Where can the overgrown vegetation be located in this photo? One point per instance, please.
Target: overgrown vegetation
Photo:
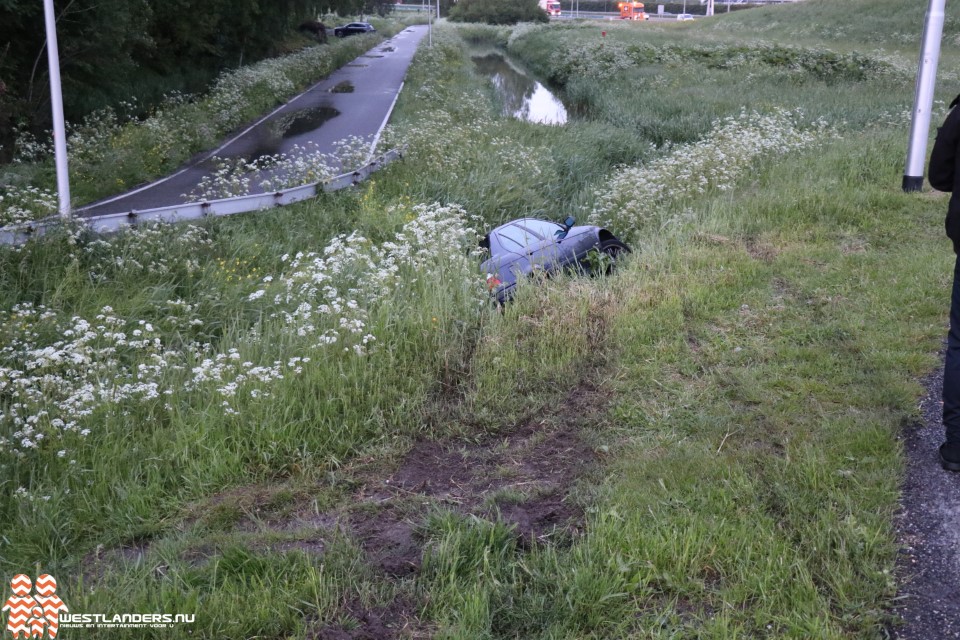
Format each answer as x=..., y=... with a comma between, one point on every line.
x=225, y=436
x=497, y=11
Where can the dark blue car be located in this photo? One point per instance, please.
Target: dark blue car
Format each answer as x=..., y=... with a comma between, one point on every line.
x=520, y=247
x=353, y=28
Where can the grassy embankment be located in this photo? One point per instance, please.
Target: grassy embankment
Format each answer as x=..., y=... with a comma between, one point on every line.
x=745, y=373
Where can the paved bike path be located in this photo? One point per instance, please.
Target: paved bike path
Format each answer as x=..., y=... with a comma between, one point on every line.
x=317, y=116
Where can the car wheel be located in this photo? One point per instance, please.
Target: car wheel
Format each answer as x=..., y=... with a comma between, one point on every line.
x=611, y=250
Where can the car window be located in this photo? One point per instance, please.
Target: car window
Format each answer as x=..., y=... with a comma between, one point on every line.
x=542, y=227
x=515, y=238
x=508, y=243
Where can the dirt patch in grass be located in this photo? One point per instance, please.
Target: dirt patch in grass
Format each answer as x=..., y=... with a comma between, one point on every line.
x=388, y=536
x=396, y=620
x=756, y=248
x=760, y=250
x=522, y=475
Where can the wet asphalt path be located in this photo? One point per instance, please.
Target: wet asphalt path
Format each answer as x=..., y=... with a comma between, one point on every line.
x=317, y=116
x=928, y=528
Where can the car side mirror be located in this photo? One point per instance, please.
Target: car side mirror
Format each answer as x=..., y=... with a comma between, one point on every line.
x=567, y=225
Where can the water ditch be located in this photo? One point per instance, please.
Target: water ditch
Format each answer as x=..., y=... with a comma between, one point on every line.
x=523, y=96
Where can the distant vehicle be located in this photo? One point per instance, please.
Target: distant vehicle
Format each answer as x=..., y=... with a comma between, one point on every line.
x=353, y=29
x=632, y=11
x=684, y=16
x=552, y=7
x=521, y=247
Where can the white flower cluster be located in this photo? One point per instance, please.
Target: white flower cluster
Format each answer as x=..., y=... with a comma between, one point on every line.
x=452, y=141
x=232, y=177
x=86, y=140
x=22, y=494
x=302, y=165
x=60, y=374
x=527, y=28
x=230, y=93
x=599, y=61
x=55, y=371
x=230, y=375
x=328, y=295
x=24, y=204
x=147, y=249
x=637, y=195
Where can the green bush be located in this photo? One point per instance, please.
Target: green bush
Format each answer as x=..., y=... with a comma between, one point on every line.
x=498, y=11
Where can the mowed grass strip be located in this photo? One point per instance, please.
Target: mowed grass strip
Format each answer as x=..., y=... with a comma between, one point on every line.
x=764, y=388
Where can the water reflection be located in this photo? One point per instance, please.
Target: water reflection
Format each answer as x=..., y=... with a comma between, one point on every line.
x=523, y=97
x=284, y=131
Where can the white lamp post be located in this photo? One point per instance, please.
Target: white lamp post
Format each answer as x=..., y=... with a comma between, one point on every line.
x=923, y=100
x=56, y=103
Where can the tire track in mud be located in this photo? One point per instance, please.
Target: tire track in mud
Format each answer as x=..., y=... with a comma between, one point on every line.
x=541, y=459
x=522, y=475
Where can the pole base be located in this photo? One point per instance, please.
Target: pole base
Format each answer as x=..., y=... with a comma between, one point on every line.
x=912, y=183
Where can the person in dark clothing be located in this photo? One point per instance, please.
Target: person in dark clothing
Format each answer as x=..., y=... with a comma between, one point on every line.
x=944, y=175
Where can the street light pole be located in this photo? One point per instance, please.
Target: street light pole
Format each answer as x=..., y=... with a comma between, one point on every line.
x=56, y=103
x=923, y=99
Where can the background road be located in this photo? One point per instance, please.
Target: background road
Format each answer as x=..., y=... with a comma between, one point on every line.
x=318, y=117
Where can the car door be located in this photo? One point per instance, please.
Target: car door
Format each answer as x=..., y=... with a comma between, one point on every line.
x=555, y=253
x=519, y=246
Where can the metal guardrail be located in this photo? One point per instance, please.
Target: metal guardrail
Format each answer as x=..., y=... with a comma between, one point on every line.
x=16, y=235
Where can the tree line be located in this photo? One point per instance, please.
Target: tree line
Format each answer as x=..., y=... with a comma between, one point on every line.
x=113, y=50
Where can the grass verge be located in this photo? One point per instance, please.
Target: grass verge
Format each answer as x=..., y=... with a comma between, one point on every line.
x=752, y=364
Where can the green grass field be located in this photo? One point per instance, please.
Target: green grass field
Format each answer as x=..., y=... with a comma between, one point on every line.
x=311, y=422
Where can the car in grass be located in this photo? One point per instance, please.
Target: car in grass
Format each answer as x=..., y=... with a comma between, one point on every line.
x=523, y=247
x=353, y=29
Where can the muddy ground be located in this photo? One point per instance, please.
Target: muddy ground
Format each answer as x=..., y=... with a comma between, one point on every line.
x=522, y=475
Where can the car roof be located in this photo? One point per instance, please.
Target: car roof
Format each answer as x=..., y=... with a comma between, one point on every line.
x=522, y=220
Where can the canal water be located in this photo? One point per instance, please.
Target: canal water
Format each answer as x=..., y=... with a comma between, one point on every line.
x=523, y=96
